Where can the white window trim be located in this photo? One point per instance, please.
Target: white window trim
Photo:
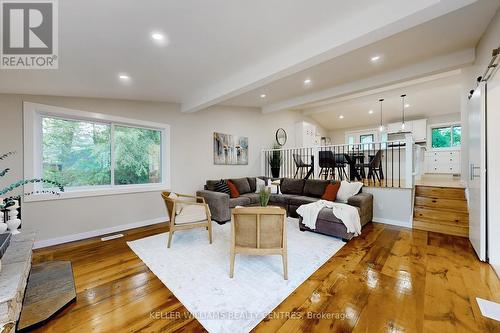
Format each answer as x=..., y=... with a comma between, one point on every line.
x=33, y=152
x=440, y=125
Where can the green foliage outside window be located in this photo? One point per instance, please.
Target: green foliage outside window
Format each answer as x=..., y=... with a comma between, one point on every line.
x=446, y=137
x=137, y=155
x=457, y=136
x=78, y=153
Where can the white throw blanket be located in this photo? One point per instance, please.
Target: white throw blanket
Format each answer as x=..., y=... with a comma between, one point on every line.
x=349, y=215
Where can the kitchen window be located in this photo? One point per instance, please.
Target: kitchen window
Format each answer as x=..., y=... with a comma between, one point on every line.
x=94, y=154
x=446, y=136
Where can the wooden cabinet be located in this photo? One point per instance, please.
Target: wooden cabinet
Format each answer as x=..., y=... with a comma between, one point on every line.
x=442, y=161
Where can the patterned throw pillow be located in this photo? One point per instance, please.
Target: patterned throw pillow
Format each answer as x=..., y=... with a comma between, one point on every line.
x=222, y=187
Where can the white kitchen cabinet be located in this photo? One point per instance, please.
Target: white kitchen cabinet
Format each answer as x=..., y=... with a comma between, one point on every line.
x=419, y=130
x=442, y=161
x=396, y=127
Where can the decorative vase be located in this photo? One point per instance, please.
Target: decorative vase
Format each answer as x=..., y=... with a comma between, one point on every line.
x=13, y=225
x=275, y=172
x=13, y=222
x=3, y=227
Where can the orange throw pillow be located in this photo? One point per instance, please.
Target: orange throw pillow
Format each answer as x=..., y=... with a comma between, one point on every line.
x=331, y=192
x=233, y=189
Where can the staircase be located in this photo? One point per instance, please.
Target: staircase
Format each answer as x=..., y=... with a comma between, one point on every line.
x=441, y=209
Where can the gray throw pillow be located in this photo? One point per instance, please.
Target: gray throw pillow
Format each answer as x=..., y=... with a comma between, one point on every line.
x=242, y=185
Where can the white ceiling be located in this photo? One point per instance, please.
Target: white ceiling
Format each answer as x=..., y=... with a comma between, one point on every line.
x=428, y=98
x=459, y=30
x=221, y=49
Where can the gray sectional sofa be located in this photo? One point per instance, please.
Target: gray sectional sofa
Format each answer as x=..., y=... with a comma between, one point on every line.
x=294, y=193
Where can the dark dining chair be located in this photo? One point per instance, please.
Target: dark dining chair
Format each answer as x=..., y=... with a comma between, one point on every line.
x=341, y=163
x=374, y=167
x=300, y=165
x=327, y=164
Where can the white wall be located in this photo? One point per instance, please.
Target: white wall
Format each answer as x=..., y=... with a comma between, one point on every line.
x=444, y=118
x=392, y=206
x=191, y=159
x=489, y=41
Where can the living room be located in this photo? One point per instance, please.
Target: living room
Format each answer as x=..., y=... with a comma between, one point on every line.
x=101, y=138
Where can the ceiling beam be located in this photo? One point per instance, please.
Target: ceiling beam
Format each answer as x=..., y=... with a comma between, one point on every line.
x=436, y=65
x=338, y=39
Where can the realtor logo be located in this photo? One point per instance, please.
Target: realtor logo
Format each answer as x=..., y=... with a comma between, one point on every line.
x=29, y=34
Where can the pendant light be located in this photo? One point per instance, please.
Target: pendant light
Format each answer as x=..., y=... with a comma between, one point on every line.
x=381, y=128
x=403, y=125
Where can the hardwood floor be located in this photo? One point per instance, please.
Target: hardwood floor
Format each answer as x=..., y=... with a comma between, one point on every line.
x=389, y=279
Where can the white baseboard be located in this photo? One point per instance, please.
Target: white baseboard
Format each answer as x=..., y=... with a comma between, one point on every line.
x=95, y=233
x=393, y=222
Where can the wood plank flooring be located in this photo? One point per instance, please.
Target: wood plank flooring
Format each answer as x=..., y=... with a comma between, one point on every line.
x=389, y=279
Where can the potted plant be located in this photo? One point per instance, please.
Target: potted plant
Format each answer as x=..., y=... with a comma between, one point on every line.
x=264, y=195
x=12, y=201
x=275, y=161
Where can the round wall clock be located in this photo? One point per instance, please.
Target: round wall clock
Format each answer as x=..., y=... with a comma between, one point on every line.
x=281, y=136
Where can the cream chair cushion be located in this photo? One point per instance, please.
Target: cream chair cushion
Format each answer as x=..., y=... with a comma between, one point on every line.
x=191, y=214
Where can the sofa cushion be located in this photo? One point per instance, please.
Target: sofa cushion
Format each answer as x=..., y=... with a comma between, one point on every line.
x=260, y=184
x=240, y=201
x=254, y=197
x=301, y=200
x=252, y=181
x=331, y=191
x=315, y=187
x=281, y=199
x=210, y=184
x=233, y=189
x=242, y=185
x=292, y=186
x=221, y=186
x=347, y=190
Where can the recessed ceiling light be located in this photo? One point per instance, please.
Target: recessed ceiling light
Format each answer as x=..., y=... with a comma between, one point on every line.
x=375, y=58
x=263, y=95
x=370, y=112
x=159, y=38
x=341, y=117
x=407, y=105
x=307, y=81
x=124, y=77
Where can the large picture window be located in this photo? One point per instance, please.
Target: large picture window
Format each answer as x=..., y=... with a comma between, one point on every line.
x=446, y=136
x=93, y=154
x=76, y=153
x=137, y=154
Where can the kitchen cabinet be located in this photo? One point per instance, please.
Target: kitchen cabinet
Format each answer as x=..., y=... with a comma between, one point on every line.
x=418, y=128
x=442, y=161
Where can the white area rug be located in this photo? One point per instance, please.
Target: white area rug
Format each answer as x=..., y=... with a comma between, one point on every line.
x=198, y=273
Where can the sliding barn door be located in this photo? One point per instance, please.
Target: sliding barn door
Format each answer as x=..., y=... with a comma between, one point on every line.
x=477, y=171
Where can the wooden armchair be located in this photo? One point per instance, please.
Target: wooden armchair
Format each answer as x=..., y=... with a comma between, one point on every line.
x=187, y=212
x=258, y=231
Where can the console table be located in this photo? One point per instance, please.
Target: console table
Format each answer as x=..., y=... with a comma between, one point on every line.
x=16, y=266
